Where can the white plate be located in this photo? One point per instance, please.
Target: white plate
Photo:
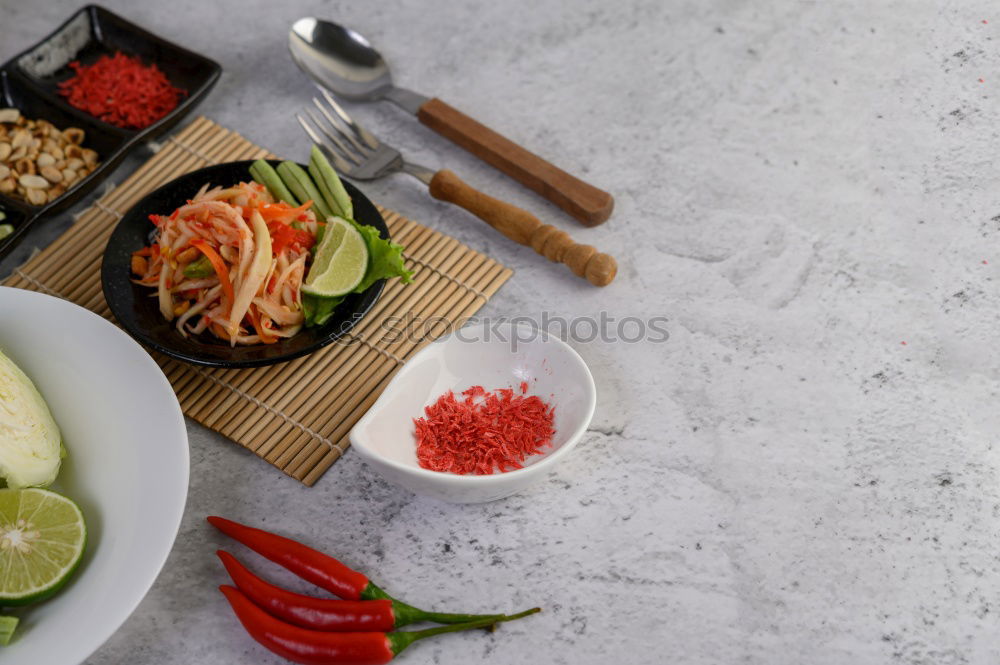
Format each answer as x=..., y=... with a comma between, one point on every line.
x=127, y=468
x=493, y=357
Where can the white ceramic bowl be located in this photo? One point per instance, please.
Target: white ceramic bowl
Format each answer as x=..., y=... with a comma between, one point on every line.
x=476, y=355
x=127, y=468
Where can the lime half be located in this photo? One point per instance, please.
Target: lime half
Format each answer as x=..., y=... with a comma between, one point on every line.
x=341, y=261
x=42, y=538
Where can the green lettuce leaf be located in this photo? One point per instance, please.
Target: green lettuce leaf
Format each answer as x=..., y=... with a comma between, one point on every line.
x=385, y=261
x=385, y=258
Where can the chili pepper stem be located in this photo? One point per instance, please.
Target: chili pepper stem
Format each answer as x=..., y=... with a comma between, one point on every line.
x=407, y=614
x=373, y=592
x=400, y=640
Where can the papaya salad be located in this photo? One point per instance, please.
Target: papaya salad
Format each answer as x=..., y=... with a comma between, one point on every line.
x=251, y=264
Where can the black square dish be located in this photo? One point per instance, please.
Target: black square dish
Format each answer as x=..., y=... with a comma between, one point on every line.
x=15, y=216
x=16, y=93
x=29, y=82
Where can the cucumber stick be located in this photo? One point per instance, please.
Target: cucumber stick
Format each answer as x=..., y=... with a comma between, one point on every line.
x=323, y=190
x=301, y=185
x=265, y=174
x=329, y=184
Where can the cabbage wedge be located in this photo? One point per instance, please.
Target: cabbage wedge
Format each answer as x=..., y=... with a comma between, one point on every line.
x=30, y=443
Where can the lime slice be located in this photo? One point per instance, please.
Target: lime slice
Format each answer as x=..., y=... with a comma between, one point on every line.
x=340, y=263
x=42, y=538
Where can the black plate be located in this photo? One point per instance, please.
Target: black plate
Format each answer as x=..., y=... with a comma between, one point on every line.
x=28, y=81
x=139, y=314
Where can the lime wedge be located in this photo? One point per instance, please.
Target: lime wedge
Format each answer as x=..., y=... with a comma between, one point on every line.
x=341, y=261
x=42, y=538
x=333, y=235
x=7, y=627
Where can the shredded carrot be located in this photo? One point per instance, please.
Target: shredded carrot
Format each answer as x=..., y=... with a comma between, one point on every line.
x=282, y=211
x=220, y=267
x=265, y=335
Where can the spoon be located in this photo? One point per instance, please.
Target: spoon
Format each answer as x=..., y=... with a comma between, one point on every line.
x=343, y=61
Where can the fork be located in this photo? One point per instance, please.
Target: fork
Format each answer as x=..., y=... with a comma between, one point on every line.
x=358, y=154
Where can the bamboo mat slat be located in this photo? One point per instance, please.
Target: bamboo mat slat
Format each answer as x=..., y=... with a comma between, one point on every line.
x=295, y=415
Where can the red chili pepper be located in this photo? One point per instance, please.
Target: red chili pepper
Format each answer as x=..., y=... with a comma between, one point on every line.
x=283, y=235
x=314, y=647
x=327, y=613
x=324, y=571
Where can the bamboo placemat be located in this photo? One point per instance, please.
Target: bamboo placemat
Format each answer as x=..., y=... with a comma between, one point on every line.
x=295, y=415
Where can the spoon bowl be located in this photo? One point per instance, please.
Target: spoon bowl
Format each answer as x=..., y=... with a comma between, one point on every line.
x=341, y=60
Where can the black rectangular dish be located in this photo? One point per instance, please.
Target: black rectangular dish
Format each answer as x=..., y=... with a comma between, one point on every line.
x=29, y=82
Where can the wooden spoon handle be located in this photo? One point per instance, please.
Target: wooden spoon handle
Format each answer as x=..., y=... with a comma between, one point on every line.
x=587, y=203
x=521, y=226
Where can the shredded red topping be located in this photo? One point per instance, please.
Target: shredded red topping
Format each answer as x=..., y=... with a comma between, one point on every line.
x=121, y=91
x=483, y=433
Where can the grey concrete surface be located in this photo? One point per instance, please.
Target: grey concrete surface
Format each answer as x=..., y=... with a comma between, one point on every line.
x=807, y=470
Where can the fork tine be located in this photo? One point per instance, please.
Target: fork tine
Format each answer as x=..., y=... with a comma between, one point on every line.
x=364, y=150
x=334, y=142
x=356, y=127
x=339, y=162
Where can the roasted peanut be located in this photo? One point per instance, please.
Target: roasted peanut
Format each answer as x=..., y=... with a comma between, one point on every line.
x=36, y=197
x=139, y=265
x=188, y=255
x=25, y=166
x=74, y=135
x=22, y=137
x=33, y=182
x=56, y=192
x=39, y=161
x=51, y=174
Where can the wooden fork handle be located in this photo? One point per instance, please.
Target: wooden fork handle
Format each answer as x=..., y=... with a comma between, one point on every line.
x=521, y=226
x=587, y=203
